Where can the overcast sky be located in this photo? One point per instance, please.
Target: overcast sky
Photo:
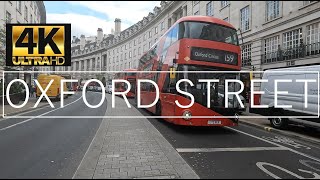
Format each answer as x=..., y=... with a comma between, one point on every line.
x=87, y=16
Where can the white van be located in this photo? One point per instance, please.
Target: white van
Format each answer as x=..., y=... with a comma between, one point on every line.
x=298, y=114
x=108, y=88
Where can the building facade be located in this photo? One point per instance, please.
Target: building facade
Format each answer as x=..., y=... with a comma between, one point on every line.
x=272, y=34
x=32, y=12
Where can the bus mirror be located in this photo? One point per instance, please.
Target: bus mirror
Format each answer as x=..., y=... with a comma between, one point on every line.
x=172, y=73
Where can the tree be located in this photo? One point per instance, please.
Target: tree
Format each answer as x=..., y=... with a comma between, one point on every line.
x=2, y=45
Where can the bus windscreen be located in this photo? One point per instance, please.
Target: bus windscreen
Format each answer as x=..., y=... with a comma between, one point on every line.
x=208, y=31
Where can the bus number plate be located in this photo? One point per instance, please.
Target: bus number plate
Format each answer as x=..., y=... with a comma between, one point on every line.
x=214, y=122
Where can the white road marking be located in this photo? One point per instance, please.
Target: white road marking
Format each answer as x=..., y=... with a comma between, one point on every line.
x=276, y=144
x=287, y=141
x=262, y=164
x=38, y=116
x=308, y=164
x=239, y=149
x=29, y=111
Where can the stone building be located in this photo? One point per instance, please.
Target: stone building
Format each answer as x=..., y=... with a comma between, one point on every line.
x=21, y=12
x=272, y=34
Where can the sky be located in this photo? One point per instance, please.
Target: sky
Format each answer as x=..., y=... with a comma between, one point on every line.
x=87, y=16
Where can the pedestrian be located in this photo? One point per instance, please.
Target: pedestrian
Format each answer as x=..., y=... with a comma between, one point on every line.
x=33, y=91
x=30, y=90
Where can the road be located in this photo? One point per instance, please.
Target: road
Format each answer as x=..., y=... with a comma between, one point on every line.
x=54, y=147
x=48, y=147
x=240, y=152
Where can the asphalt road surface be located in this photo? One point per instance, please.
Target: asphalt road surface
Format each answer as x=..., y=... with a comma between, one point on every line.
x=241, y=152
x=49, y=147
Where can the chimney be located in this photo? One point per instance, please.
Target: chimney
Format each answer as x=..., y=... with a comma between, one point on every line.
x=99, y=35
x=74, y=39
x=117, y=27
x=82, y=42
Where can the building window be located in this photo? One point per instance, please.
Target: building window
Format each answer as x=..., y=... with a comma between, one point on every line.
x=313, y=39
x=224, y=4
x=19, y=6
x=145, y=36
x=155, y=40
x=139, y=50
x=134, y=52
x=197, y=13
x=130, y=54
x=292, y=39
x=162, y=25
x=26, y=13
x=150, y=34
x=273, y=10
x=246, y=55
x=271, y=46
x=226, y=19
x=209, y=9
x=245, y=18
x=31, y=4
x=8, y=17
x=150, y=44
x=134, y=42
x=156, y=30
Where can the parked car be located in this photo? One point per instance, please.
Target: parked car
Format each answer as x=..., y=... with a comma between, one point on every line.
x=98, y=89
x=109, y=88
x=294, y=97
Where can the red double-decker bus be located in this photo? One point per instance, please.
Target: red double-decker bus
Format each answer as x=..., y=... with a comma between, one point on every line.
x=193, y=46
x=130, y=76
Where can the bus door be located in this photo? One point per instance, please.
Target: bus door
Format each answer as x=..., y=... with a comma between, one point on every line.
x=169, y=96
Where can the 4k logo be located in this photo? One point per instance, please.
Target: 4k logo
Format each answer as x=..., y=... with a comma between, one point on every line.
x=38, y=45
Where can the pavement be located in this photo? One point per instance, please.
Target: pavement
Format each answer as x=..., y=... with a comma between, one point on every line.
x=131, y=148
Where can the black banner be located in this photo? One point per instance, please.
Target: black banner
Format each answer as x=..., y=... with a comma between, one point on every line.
x=214, y=55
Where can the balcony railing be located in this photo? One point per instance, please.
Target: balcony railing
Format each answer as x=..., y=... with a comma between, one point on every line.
x=246, y=62
x=292, y=53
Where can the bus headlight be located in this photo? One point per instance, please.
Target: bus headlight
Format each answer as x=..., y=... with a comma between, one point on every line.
x=186, y=115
